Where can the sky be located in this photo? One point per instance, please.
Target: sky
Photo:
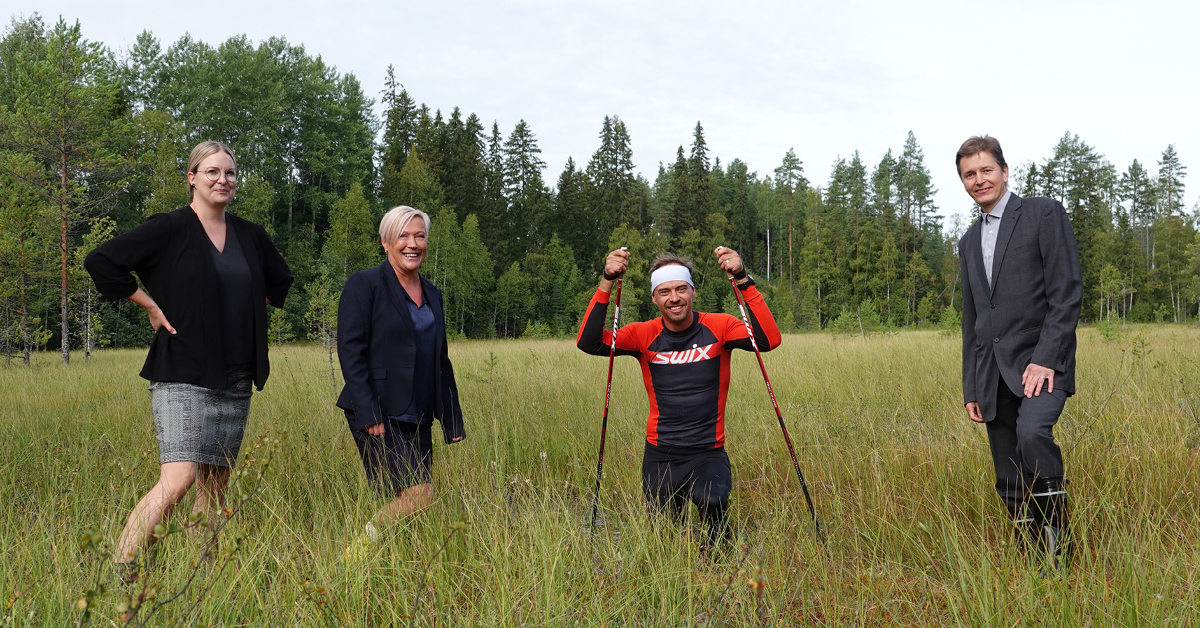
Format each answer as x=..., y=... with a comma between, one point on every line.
x=825, y=78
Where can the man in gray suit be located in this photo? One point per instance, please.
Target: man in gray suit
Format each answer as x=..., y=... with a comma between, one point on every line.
x=1022, y=288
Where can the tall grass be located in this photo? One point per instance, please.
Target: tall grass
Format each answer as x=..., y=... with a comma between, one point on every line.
x=901, y=479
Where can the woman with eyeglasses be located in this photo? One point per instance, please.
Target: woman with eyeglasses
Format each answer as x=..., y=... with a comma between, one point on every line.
x=209, y=276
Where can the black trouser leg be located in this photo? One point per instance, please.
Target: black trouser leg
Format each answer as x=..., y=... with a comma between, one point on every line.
x=671, y=478
x=1021, y=438
x=711, y=483
x=663, y=489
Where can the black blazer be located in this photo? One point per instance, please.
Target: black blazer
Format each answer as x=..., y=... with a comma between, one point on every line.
x=377, y=352
x=170, y=254
x=1030, y=311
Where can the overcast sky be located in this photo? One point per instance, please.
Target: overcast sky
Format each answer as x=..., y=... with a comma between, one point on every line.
x=827, y=78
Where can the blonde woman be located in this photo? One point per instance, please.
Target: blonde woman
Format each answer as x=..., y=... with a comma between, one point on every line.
x=392, y=348
x=209, y=276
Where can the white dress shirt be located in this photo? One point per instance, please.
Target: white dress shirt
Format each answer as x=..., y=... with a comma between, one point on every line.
x=991, y=229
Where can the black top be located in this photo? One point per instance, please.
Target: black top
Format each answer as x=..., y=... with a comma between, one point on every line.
x=171, y=255
x=424, y=328
x=233, y=293
x=377, y=348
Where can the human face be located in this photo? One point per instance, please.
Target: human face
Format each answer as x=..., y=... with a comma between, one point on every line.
x=217, y=193
x=984, y=179
x=408, y=251
x=674, y=301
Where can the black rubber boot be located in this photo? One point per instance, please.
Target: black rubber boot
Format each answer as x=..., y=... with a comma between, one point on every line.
x=1025, y=529
x=1050, y=510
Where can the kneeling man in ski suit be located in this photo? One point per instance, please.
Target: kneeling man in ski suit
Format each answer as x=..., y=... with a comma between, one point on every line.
x=685, y=359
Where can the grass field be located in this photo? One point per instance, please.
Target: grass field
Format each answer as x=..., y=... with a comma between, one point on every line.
x=902, y=482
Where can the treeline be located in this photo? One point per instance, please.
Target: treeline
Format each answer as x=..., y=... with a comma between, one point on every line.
x=93, y=141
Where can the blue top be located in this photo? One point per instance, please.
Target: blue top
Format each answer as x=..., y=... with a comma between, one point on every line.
x=424, y=326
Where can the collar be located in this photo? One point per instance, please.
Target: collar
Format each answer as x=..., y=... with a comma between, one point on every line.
x=997, y=212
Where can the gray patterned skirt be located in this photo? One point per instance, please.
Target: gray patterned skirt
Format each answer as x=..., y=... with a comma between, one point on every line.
x=202, y=425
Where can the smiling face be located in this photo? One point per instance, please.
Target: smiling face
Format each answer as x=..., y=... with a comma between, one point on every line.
x=217, y=193
x=983, y=178
x=674, y=301
x=408, y=250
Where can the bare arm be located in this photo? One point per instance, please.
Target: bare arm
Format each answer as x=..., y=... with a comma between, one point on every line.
x=157, y=318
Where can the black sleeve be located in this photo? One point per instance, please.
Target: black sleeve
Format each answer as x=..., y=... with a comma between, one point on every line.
x=112, y=263
x=766, y=337
x=593, y=338
x=1064, y=285
x=451, y=415
x=968, y=323
x=353, y=347
x=276, y=274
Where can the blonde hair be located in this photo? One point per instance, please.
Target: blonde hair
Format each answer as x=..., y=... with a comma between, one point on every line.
x=203, y=151
x=397, y=218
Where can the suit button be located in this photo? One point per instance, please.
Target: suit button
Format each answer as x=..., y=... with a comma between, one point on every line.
x=993, y=306
x=997, y=339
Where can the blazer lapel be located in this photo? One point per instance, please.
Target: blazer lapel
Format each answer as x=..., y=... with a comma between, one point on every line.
x=1008, y=222
x=393, y=289
x=974, y=255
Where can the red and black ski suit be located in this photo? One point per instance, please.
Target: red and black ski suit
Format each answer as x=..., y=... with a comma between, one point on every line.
x=687, y=378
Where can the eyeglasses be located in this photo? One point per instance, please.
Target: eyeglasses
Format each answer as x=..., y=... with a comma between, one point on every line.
x=214, y=174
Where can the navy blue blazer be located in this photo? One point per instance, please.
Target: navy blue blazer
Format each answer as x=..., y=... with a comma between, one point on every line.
x=1028, y=313
x=378, y=353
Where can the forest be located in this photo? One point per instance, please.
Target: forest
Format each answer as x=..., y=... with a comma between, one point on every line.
x=93, y=140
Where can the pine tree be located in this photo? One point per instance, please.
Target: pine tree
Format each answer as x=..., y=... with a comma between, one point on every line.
x=914, y=193
x=1170, y=182
x=790, y=186
x=1137, y=190
x=64, y=136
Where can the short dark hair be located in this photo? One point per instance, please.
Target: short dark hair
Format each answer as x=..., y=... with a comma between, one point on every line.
x=980, y=144
x=668, y=259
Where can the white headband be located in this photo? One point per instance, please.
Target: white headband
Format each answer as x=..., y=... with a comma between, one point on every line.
x=673, y=272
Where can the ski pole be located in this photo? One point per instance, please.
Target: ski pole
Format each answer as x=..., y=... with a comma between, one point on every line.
x=612, y=354
x=778, y=414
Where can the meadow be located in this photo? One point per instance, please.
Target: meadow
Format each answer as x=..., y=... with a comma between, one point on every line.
x=901, y=480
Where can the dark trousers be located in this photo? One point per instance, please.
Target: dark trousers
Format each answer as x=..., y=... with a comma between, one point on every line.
x=673, y=476
x=1022, y=443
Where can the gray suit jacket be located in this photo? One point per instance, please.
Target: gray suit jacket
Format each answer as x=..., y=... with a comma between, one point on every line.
x=1030, y=310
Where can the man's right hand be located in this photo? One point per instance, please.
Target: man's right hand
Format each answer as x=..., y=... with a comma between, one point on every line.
x=616, y=264
x=973, y=412
x=374, y=430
